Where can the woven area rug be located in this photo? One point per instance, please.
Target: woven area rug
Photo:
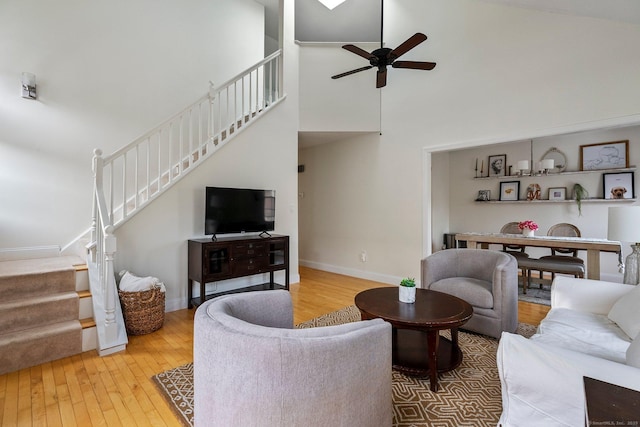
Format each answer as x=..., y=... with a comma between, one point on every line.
x=467, y=396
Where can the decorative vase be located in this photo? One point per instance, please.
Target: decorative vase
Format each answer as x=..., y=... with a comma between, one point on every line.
x=631, y=273
x=407, y=294
x=527, y=232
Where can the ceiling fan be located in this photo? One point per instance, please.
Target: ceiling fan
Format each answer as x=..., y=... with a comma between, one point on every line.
x=383, y=57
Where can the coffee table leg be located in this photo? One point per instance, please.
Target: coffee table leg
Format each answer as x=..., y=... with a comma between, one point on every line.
x=433, y=338
x=454, y=336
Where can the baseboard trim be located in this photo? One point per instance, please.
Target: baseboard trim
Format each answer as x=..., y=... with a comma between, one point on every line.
x=180, y=303
x=353, y=272
x=14, y=254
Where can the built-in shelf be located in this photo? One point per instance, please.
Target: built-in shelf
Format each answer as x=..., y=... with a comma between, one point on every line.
x=559, y=201
x=512, y=177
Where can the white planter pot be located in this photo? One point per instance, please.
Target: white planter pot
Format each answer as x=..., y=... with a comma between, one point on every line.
x=407, y=294
x=527, y=233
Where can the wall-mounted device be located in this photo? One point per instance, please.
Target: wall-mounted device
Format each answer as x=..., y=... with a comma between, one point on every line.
x=29, y=86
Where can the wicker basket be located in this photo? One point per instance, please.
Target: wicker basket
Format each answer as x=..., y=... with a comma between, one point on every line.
x=143, y=311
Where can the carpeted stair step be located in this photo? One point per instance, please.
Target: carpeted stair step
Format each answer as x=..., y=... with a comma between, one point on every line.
x=18, y=315
x=27, y=278
x=23, y=349
x=40, y=311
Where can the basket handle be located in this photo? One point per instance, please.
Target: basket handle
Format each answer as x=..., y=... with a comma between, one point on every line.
x=154, y=295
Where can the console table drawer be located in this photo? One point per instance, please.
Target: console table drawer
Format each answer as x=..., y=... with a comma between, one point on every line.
x=249, y=265
x=249, y=249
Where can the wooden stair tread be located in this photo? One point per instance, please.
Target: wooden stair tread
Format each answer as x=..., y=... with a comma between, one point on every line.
x=87, y=323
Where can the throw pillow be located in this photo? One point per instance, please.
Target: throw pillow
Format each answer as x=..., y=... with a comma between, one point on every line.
x=625, y=313
x=633, y=353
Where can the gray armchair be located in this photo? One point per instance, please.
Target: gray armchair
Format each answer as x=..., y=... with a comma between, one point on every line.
x=488, y=280
x=252, y=369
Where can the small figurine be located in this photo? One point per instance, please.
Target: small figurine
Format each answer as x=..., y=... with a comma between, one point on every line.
x=533, y=192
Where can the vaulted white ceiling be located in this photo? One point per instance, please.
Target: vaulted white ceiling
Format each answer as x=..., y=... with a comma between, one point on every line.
x=615, y=10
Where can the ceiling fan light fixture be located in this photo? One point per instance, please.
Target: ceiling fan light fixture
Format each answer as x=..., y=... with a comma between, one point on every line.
x=331, y=4
x=385, y=57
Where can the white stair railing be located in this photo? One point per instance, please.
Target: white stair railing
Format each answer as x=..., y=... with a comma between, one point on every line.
x=133, y=176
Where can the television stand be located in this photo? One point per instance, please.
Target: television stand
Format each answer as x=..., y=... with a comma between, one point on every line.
x=234, y=257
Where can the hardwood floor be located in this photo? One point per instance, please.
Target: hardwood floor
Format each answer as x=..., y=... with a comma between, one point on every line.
x=116, y=390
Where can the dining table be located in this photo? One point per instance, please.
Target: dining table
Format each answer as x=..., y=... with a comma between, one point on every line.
x=594, y=247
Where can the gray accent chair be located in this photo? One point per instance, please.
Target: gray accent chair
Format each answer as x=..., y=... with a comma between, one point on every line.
x=488, y=280
x=251, y=368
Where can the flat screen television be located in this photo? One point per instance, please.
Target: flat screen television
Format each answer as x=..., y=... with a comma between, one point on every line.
x=239, y=210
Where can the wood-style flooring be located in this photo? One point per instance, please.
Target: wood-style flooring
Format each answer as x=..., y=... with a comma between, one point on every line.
x=116, y=390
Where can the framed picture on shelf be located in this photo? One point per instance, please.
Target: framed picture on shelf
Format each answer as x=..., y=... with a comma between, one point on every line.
x=483, y=196
x=558, y=193
x=497, y=165
x=618, y=185
x=604, y=155
x=509, y=190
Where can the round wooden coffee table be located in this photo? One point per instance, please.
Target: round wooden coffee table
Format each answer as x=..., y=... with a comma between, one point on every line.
x=418, y=349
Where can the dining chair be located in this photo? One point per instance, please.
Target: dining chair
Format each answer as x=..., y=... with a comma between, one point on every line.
x=517, y=251
x=561, y=260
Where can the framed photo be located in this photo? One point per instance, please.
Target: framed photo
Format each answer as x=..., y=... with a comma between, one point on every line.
x=618, y=185
x=484, y=196
x=557, y=193
x=509, y=190
x=605, y=155
x=497, y=165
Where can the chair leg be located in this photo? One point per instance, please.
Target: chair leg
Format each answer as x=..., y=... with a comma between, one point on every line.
x=525, y=280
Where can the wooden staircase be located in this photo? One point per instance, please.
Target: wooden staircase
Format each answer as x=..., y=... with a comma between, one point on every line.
x=45, y=311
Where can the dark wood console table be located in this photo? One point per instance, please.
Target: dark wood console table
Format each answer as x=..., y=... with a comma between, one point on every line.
x=233, y=257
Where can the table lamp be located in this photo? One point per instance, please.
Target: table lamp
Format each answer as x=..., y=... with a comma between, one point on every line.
x=624, y=226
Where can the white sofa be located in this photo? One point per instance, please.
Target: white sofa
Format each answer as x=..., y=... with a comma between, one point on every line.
x=542, y=377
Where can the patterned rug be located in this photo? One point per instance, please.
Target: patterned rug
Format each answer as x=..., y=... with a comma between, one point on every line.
x=536, y=295
x=467, y=396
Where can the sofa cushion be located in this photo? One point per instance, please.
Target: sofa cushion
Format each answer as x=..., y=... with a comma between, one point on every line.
x=475, y=292
x=528, y=370
x=587, y=333
x=626, y=314
x=633, y=353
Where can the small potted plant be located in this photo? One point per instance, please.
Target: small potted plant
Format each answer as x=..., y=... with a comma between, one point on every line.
x=528, y=227
x=407, y=290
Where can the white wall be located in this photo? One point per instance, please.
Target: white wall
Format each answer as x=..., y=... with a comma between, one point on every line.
x=348, y=104
x=106, y=73
x=503, y=74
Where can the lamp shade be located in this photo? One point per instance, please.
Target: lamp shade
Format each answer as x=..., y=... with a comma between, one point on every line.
x=523, y=165
x=547, y=164
x=624, y=224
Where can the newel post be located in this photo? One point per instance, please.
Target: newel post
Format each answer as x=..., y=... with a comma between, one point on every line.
x=109, y=285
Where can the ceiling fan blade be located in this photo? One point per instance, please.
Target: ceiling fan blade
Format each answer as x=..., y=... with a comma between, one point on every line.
x=355, y=49
x=381, y=79
x=409, y=44
x=357, y=70
x=416, y=65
